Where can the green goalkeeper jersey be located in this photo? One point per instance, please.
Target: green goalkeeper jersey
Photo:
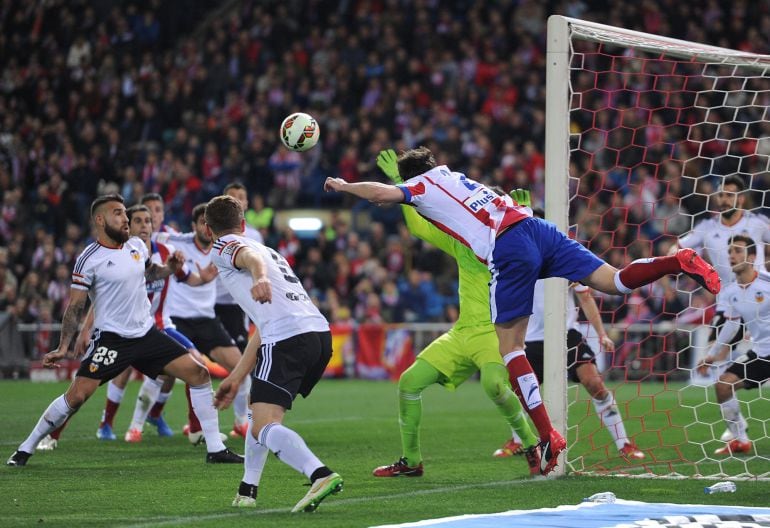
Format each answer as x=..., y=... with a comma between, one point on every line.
x=474, y=276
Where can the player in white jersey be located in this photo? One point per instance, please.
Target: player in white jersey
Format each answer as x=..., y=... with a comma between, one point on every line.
x=287, y=354
x=519, y=250
x=711, y=237
x=113, y=272
x=192, y=312
x=154, y=203
x=226, y=309
x=748, y=298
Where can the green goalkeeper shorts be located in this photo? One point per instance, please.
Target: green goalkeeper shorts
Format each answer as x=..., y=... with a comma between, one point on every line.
x=459, y=354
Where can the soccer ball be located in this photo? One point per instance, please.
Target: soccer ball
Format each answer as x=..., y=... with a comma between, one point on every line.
x=299, y=132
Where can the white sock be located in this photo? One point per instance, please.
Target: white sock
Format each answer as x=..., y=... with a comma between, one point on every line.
x=622, y=288
x=144, y=402
x=115, y=393
x=608, y=413
x=55, y=415
x=163, y=397
x=241, y=401
x=202, y=398
x=731, y=412
x=254, y=458
x=289, y=448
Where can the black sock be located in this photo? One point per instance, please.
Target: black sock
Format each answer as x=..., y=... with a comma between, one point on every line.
x=247, y=490
x=321, y=472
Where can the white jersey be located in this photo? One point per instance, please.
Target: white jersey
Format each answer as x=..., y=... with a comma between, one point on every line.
x=291, y=311
x=187, y=301
x=711, y=237
x=114, y=279
x=751, y=302
x=465, y=209
x=536, y=324
x=223, y=296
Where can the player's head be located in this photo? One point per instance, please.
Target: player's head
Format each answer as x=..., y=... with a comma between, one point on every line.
x=140, y=221
x=238, y=191
x=743, y=253
x=415, y=162
x=109, y=216
x=154, y=203
x=202, y=234
x=731, y=196
x=224, y=215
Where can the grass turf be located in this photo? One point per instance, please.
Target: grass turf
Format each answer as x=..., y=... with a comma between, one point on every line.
x=352, y=426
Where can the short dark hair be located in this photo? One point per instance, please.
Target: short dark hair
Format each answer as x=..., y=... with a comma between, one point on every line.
x=131, y=211
x=734, y=179
x=101, y=200
x=234, y=185
x=751, y=247
x=223, y=214
x=198, y=211
x=151, y=197
x=415, y=162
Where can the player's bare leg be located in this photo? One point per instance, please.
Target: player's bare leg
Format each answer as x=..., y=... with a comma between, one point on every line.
x=54, y=416
x=195, y=374
x=731, y=412
x=607, y=410
x=228, y=357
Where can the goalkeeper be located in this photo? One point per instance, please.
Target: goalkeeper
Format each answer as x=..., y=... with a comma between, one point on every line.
x=470, y=346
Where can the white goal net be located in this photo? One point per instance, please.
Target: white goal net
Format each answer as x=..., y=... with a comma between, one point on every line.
x=642, y=131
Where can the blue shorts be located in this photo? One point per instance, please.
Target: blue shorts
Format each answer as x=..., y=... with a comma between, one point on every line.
x=530, y=250
x=179, y=337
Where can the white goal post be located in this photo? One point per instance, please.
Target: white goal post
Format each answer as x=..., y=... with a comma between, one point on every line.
x=749, y=78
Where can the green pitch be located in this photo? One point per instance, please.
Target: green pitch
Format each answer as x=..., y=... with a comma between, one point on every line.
x=352, y=426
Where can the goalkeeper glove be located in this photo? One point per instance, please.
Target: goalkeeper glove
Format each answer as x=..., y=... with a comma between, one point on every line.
x=388, y=164
x=521, y=197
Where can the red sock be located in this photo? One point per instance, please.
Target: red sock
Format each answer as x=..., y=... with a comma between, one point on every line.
x=517, y=367
x=195, y=425
x=57, y=432
x=645, y=271
x=110, y=410
x=157, y=409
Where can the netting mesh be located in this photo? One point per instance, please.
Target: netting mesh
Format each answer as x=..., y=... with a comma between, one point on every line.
x=651, y=138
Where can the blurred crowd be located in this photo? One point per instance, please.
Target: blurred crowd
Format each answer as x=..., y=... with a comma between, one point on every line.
x=163, y=96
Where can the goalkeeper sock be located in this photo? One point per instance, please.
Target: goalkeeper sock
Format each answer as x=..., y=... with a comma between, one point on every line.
x=644, y=271
x=289, y=448
x=202, y=399
x=254, y=458
x=412, y=382
x=731, y=412
x=54, y=416
x=495, y=383
x=608, y=413
x=157, y=409
x=114, y=397
x=144, y=401
x=524, y=383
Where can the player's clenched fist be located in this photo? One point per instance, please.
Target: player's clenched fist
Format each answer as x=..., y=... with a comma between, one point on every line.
x=262, y=292
x=334, y=184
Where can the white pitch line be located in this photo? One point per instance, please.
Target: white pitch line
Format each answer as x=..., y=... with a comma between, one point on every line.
x=161, y=521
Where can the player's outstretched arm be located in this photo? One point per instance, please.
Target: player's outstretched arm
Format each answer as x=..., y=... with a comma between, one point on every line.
x=202, y=276
x=376, y=192
x=247, y=258
x=229, y=387
x=70, y=324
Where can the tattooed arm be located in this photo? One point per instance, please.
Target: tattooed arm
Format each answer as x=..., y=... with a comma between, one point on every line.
x=70, y=324
x=154, y=271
